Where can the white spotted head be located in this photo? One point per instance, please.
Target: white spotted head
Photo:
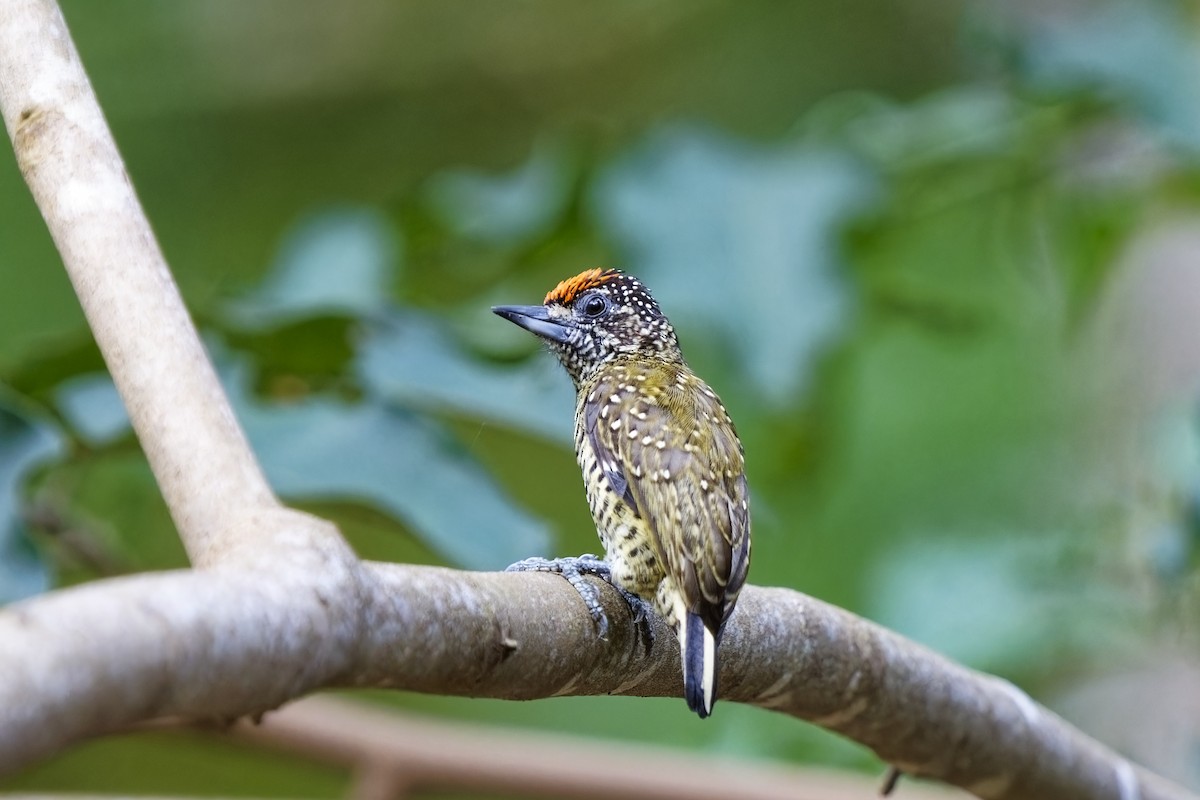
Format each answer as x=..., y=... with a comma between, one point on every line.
x=596, y=317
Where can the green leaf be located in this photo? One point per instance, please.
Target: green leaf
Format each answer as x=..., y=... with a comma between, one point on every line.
x=955, y=124
x=391, y=459
x=1143, y=55
x=410, y=359
x=337, y=262
x=999, y=603
x=505, y=209
x=26, y=443
x=740, y=241
x=93, y=408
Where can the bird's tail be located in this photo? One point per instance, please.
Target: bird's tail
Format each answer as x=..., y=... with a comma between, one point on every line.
x=698, y=650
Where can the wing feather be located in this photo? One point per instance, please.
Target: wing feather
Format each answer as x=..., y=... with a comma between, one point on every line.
x=689, y=485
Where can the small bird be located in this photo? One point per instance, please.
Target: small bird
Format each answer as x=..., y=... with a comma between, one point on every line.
x=662, y=465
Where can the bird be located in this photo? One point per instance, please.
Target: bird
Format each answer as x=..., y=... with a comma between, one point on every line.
x=663, y=468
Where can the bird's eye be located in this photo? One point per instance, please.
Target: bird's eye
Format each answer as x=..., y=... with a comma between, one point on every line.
x=595, y=305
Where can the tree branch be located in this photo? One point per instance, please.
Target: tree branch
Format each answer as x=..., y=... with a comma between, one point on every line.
x=281, y=606
x=420, y=753
x=217, y=645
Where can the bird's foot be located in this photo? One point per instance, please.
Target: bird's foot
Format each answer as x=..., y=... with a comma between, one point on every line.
x=642, y=610
x=574, y=569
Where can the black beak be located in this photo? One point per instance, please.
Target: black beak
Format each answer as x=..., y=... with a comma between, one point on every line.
x=535, y=319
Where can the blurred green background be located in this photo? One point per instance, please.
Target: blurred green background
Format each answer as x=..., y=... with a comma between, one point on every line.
x=936, y=257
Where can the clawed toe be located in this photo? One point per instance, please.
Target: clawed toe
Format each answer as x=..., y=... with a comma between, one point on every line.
x=643, y=615
x=535, y=564
x=574, y=569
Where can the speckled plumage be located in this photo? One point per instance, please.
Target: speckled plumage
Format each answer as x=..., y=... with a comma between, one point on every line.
x=662, y=465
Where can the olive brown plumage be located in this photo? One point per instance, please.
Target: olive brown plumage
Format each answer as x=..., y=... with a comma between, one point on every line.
x=662, y=465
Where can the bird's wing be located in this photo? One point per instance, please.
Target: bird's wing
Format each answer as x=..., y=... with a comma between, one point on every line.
x=688, y=483
x=599, y=413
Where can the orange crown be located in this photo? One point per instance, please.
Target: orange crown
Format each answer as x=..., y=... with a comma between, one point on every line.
x=568, y=290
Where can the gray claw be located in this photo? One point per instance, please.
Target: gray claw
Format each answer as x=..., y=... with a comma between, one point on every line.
x=643, y=612
x=573, y=569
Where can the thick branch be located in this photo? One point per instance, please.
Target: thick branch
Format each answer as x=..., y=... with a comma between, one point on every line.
x=782, y=651
x=206, y=470
x=224, y=643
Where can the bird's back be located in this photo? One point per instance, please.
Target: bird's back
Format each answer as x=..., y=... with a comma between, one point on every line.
x=666, y=485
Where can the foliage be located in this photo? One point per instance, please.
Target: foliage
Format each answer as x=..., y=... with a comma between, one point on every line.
x=26, y=443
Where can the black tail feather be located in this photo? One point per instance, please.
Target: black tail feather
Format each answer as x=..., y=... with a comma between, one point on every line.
x=694, y=666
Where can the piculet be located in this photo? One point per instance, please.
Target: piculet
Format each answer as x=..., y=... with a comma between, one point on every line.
x=663, y=468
